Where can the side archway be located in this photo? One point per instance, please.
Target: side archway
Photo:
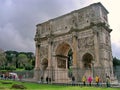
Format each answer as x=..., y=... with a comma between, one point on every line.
x=87, y=60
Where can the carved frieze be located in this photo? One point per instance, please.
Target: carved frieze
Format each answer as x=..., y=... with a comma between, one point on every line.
x=43, y=51
x=86, y=33
x=104, y=46
x=86, y=42
x=61, y=63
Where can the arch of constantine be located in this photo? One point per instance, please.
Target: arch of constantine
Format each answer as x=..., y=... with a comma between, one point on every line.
x=74, y=44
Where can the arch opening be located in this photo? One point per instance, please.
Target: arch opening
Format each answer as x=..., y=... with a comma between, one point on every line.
x=64, y=56
x=87, y=60
x=64, y=60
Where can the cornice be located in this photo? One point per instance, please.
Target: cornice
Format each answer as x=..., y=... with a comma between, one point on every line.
x=72, y=30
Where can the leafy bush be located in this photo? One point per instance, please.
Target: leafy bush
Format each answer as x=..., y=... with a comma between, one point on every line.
x=116, y=61
x=2, y=67
x=21, y=67
x=29, y=67
x=10, y=68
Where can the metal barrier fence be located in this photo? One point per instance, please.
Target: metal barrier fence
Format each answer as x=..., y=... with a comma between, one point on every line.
x=117, y=72
x=16, y=74
x=65, y=76
x=25, y=74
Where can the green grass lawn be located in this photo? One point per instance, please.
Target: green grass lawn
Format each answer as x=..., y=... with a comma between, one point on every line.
x=35, y=86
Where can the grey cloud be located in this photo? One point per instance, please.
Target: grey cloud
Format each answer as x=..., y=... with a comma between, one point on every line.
x=19, y=17
x=115, y=50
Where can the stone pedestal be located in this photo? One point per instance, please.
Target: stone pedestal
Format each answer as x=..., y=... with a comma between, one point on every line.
x=61, y=76
x=37, y=74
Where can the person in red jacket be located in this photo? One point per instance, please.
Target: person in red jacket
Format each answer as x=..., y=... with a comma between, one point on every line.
x=90, y=80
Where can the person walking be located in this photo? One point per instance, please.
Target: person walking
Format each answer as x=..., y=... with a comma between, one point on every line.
x=84, y=80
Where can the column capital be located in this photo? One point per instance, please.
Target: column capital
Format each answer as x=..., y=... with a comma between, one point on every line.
x=74, y=34
x=50, y=41
x=37, y=45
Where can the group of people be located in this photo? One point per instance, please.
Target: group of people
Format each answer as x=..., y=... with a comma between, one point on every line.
x=97, y=80
x=48, y=80
x=7, y=76
x=11, y=76
x=89, y=80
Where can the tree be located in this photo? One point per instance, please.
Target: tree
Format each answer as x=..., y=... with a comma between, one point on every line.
x=31, y=57
x=19, y=59
x=22, y=60
x=11, y=57
x=116, y=61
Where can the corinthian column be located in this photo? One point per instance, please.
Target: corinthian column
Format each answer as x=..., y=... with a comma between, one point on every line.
x=37, y=60
x=74, y=49
x=37, y=64
x=49, y=53
x=96, y=46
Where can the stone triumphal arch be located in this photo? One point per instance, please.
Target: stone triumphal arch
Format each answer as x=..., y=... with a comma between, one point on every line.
x=74, y=44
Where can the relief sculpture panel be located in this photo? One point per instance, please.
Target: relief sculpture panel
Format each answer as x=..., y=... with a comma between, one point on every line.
x=86, y=42
x=43, y=52
x=61, y=63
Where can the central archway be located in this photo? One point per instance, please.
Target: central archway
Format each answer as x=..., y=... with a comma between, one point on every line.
x=64, y=61
x=64, y=56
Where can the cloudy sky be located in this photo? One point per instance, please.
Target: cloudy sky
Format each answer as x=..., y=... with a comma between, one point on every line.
x=18, y=19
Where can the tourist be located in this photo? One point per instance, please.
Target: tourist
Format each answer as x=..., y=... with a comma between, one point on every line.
x=47, y=79
x=100, y=81
x=89, y=80
x=84, y=80
x=73, y=80
x=97, y=80
x=41, y=79
x=107, y=81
